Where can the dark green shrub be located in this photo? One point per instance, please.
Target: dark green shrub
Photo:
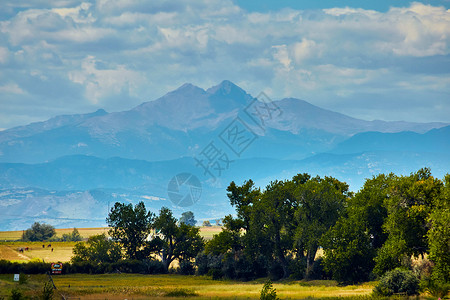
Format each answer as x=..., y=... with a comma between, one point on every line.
x=268, y=292
x=186, y=268
x=398, y=281
x=181, y=293
x=153, y=266
x=435, y=288
x=16, y=294
x=35, y=267
x=318, y=272
x=216, y=274
x=201, y=261
x=297, y=267
x=276, y=271
x=47, y=291
x=23, y=278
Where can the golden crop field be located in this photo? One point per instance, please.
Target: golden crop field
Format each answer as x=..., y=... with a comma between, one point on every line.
x=6, y=236
x=135, y=286
x=62, y=251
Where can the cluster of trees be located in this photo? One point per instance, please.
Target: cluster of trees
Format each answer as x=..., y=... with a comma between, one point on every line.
x=138, y=234
x=277, y=231
x=44, y=232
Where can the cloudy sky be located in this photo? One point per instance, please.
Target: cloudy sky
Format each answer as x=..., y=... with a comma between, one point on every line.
x=385, y=60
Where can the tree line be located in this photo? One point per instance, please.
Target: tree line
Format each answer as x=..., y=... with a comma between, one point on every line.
x=277, y=231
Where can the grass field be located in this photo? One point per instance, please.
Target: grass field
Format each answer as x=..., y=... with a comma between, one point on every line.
x=8, y=236
x=62, y=251
x=135, y=286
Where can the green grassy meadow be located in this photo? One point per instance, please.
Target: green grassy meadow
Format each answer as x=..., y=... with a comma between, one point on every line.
x=136, y=286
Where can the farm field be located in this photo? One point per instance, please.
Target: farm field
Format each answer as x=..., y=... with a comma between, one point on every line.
x=62, y=251
x=6, y=236
x=135, y=286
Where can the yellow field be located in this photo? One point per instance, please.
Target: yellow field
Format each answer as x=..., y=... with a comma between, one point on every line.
x=210, y=231
x=62, y=251
x=84, y=232
x=120, y=286
x=206, y=232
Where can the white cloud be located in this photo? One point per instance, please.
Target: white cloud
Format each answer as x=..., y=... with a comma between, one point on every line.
x=4, y=55
x=102, y=50
x=11, y=88
x=103, y=82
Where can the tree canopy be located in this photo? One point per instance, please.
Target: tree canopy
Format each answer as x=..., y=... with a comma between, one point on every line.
x=277, y=230
x=39, y=232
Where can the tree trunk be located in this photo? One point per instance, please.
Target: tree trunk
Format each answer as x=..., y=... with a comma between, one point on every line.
x=310, y=261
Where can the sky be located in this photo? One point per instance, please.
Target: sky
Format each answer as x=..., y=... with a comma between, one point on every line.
x=387, y=60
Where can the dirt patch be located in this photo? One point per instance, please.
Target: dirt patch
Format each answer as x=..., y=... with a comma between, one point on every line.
x=10, y=254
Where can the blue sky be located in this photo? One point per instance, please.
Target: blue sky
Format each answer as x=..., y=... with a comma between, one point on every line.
x=386, y=60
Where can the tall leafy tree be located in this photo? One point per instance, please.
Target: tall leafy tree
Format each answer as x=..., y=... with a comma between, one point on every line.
x=350, y=245
x=272, y=220
x=39, y=232
x=188, y=218
x=408, y=207
x=439, y=234
x=172, y=242
x=131, y=227
x=348, y=251
x=242, y=198
x=98, y=248
x=320, y=203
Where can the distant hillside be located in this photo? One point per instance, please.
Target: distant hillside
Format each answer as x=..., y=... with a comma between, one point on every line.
x=433, y=141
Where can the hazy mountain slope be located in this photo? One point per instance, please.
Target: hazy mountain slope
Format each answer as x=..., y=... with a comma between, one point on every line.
x=433, y=141
x=185, y=119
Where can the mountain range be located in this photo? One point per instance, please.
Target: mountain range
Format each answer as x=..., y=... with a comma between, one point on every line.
x=68, y=170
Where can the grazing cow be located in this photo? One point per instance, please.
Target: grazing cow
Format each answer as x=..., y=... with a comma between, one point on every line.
x=20, y=250
x=26, y=248
x=49, y=245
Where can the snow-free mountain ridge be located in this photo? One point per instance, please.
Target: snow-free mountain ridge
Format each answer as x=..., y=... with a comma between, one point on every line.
x=68, y=170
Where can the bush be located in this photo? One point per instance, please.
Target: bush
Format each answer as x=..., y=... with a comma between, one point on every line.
x=435, y=288
x=47, y=291
x=16, y=294
x=398, y=281
x=181, y=293
x=32, y=267
x=186, y=268
x=268, y=292
x=153, y=266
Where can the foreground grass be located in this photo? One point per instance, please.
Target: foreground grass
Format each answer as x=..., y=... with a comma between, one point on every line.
x=116, y=286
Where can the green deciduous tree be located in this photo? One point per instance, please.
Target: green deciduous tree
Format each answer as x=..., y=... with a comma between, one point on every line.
x=350, y=246
x=320, y=203
x=131, y=227
x=39, y=232
x=348, y=251
x=175, y=241
x=242, y=198
x=74, y=236
x=98, y=248
x=439, y=235
x=409, y=205
x=188, y=218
